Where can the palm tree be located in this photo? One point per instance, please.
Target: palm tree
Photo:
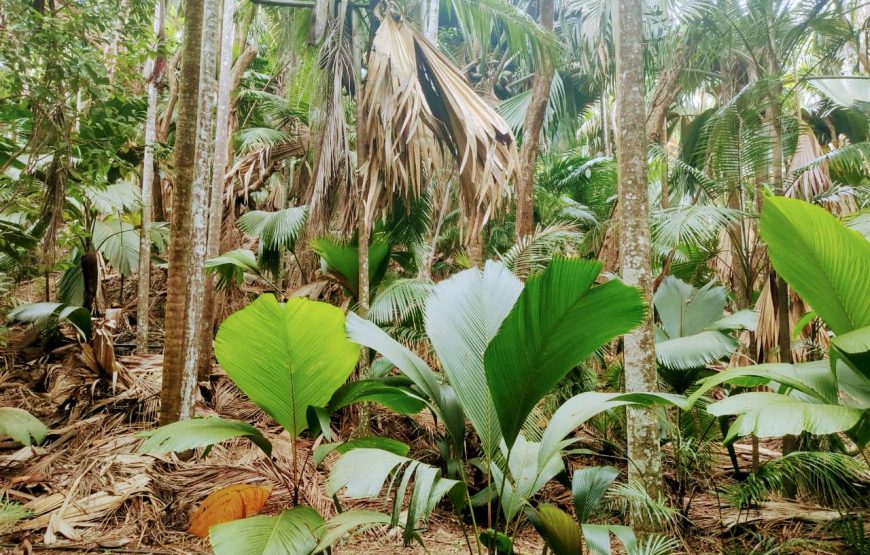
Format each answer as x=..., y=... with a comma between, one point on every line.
x=152, y=73
x=532, y=125
x=186, y=282
x=634, y=244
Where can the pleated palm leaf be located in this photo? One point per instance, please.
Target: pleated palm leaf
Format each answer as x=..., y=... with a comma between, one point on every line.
x=693, y=331
x=418, y=107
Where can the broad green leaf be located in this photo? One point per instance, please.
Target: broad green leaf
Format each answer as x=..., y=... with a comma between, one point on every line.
x=342, y=260
x=293, y=532
x=811, y=378
x=387, y=444
x=200, y=432
x=368, y=334
x=21, y=426
x=825, y=262
x=558, y=529
x=766, y=414
x=597, y=537
x=231, y=267
x=684, y=310
x=589, y=486
x=558, y=320
x=78, y=316
x=349, y=522
x=275, y=230
x=580, y=408
x=462, y=316
x=364, y=472
x=286, y=356
x=527, y=475
x=393, y=396
x=119, y=243
x=854, y=349
x=694, y=351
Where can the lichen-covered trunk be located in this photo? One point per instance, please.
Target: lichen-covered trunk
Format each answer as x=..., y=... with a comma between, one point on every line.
x=221, y=142
x=532, y=124
x=631, y=147
x=194, y=132
x=143, y=301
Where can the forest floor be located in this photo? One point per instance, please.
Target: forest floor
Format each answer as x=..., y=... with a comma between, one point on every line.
x=89, y=490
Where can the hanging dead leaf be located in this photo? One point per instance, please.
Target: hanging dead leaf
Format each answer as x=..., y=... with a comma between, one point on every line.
x=230, y=503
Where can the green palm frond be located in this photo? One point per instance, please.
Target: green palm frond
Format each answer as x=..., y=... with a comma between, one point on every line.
x=534, y=252
x=483, y=21
x=691, y=225
x=276, y=230
x=398, y=300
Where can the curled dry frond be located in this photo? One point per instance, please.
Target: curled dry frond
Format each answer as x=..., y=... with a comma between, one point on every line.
x=254, y=168
x=417, y=107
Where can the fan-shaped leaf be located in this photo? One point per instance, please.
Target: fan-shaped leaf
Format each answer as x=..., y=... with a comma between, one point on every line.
x=353, y=521
x=558, y=529
x=119, y=243
x=831, y=271
x=694, y=351
x=231, y=267
x=558, y=320
x=589, y=486
x=286, y=357
x=78, y=316
x=293, y=532
x=342, y=260
x=228, y=504
x=462, y=316
x=765, y=414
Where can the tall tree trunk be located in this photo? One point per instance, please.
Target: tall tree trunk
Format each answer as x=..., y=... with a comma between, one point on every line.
x=534, y=121
x=152, y=74
x=631, y=146
x=194, y=132
x=429, y=19
x=221, y=143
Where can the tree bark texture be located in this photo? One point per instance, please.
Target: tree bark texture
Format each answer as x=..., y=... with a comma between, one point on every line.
x=221, y=155
x=534, y=121
x=143, y=301
x=187, y=247
x=631, y=148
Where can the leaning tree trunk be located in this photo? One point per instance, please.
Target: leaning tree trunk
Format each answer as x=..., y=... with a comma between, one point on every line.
x=221, y=142
x=534, y=121
x=187, y=247
x=152, y=73
x=634, y=245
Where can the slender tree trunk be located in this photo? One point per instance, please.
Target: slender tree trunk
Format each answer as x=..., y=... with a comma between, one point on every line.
x=221, y=143
x=143, y=301
x=631, y=142
x=429, y=19
x=187, y=248
x=534, y=121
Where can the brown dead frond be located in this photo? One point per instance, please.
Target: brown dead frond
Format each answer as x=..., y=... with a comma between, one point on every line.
x=251, y=171
x=417, y=106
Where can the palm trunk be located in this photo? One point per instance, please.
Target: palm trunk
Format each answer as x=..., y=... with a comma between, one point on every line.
x=532, y=125
x=142, y=304
x=221, y=155
x=429, y=19
x=187, y=248
x=640, y=363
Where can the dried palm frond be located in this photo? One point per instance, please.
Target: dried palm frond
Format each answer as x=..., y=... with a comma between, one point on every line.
x=253, y=169
x=810, y=178
x=332, y=178
x=418, y=104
